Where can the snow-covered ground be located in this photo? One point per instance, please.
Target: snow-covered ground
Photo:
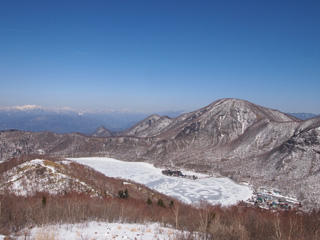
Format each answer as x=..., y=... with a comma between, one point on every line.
x=211, y=189
x=41, y=176
x=101, y=231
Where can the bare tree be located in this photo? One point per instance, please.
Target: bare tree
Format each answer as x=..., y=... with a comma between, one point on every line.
x=277, y=228
x=206, y=215
x=175, y=210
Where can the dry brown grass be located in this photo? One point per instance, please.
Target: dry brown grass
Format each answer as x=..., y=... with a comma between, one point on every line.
x=45, y=234
x=52, y=164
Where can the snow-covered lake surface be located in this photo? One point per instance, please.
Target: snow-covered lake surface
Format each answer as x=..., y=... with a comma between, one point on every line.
x=211, y=189
x=102, y=231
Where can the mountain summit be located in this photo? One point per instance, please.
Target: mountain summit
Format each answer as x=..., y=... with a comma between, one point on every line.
x=226, y=117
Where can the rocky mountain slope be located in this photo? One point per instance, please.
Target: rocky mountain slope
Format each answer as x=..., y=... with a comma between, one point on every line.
x=148, y=127
x=102, y=132
x=232, y=137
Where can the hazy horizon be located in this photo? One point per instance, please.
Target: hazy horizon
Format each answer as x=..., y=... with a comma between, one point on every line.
x=120, y=110
x=146, y=56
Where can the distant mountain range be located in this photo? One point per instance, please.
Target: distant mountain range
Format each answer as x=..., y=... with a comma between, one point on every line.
x=304, y=116
x=232, y=137
x=35, y=118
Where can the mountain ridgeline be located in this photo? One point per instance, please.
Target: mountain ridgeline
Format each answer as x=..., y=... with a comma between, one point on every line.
x=232, y=137
x=102, y=132
x=304, y=116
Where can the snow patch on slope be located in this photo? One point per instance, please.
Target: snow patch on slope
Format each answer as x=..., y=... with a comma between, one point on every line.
x=102, y=231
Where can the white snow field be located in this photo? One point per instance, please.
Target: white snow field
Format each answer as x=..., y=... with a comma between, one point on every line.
x=102, y=231
x=211, y=189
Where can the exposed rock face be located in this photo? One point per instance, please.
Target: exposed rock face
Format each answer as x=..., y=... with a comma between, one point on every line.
x=102, y=132
x=233, y=137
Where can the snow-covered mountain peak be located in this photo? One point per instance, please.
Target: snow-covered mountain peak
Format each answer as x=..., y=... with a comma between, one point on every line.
x=27, y=107
x=229, y=105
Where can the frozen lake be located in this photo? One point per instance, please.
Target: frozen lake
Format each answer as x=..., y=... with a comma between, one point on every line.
x=211, y=189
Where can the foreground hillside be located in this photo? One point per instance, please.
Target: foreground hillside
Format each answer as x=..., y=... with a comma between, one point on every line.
x=28, y=176
x=86, y=204
x=232, y=137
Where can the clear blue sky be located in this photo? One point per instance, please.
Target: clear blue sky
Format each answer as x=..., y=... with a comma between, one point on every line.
x=160, y=55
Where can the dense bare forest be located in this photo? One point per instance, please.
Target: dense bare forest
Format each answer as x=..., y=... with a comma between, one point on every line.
x=203, y=222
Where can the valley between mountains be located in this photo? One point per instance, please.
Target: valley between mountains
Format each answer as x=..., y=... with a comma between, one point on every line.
x=230, y=137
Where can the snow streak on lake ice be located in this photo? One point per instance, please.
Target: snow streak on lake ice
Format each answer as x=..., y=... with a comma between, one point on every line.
x=211, y=189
